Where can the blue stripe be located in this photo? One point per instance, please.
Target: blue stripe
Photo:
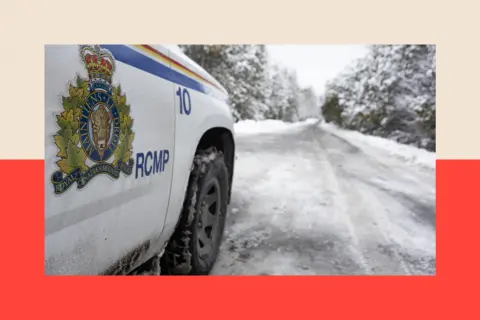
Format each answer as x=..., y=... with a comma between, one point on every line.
x=137, y=60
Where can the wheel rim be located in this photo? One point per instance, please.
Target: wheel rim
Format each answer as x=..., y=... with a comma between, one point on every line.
x=208, y=222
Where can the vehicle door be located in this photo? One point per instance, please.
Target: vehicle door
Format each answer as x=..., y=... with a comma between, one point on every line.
x=109, y=144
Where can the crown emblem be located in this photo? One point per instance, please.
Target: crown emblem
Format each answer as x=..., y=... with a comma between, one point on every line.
x=95, y=133
x=99, y=63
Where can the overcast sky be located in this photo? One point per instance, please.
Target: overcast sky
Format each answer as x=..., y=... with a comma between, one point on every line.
x=315, y=64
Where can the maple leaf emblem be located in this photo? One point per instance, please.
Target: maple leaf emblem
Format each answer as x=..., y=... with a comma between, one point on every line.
x=75, y=150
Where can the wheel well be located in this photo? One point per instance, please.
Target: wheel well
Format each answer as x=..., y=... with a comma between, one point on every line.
x=222, y=139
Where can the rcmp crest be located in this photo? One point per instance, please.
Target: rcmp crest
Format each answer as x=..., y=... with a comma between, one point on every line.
x=95, y=128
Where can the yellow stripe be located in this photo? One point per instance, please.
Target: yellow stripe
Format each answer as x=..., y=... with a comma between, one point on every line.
x=190, y=73
x=173, y=65
x=145, y=50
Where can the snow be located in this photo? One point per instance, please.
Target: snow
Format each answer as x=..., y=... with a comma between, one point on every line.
x=258, y=88
x=246, y=127
x=309, y=198
x=394, y=85
x=408, y=153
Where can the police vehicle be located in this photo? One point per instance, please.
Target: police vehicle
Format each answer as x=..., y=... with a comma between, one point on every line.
x=139, y=160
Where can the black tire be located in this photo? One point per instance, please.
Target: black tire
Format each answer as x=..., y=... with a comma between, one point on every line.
x=184, y=254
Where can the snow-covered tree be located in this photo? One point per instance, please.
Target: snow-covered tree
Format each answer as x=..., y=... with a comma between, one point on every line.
x=257, y=89
x=278, y=99
x=391, y=92
x=293, y=98
x=309, y=106
x=242, y=70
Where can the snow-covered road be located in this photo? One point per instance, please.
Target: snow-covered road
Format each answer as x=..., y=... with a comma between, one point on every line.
x=311, y=199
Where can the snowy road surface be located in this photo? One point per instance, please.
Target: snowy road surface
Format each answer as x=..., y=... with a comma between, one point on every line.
x=310, y=199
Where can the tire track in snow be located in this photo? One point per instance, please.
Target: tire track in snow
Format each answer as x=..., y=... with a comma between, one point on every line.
x=366, y=196
x=301, y=226
x=306, y=202
x=328, y=172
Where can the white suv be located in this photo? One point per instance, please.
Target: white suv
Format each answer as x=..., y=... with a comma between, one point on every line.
x=139, y=159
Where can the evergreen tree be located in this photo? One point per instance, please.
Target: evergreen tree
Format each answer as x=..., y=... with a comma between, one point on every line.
x=389, y=93
x=309, y=106
x=278, y=99
x=242, y=70
x=293, y=97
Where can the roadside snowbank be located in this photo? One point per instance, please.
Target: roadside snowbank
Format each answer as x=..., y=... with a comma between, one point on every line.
x=268, y=126
x=410, y=154
x=407, y=153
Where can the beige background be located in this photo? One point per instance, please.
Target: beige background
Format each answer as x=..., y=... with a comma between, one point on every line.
x=27, y=25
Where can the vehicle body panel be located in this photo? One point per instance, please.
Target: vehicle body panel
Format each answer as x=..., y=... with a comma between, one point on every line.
x=209, y=109
x=114, y=223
